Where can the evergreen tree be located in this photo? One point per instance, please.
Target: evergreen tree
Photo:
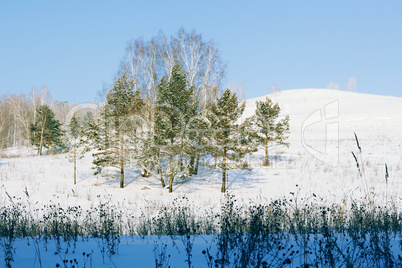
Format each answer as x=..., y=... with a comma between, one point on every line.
x=115, y=125
x=103, y=141
x=269, y=129
x=198, y=142
x=91, y=137
x=174, y=114
x=46, y=131
x=146, y=154
x=229, y=142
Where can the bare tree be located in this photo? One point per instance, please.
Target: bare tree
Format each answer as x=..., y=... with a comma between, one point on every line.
x=38, y=98
x=202, y=62
x=4, y=122
x=274, y=89
x=21, y=117
x=17, y=113
x=239, y=89
x=351, y=85
x=333, y=85
x=61, y=109
x=166, y=53
x=142, y=63
x=148, y=61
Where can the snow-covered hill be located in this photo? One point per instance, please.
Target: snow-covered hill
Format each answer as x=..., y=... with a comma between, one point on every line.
x=319, y=160
x=356, y=111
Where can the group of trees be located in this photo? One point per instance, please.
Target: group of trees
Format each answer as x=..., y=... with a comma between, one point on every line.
x=46, y=130
x=164, y=112
x=147, y=61
x=168, y=140
x=350, y=86
x=19, y=112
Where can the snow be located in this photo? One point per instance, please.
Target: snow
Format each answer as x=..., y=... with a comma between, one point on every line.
x=137, y=252
x=319, y=161
x=144, y=254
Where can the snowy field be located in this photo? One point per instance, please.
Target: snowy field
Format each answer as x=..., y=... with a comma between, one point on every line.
x=319, y=161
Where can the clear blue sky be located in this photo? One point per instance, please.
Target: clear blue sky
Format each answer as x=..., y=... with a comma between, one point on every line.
x=74, y=47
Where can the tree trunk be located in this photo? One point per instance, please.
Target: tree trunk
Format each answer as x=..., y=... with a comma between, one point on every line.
x=162, y=181
x=266, y=162
x=121, y=161
x=191, y=164
x=159, y=170
x=197, y=162
x=41, y=142
x=171, y=177
x=75, y=161
x=223, y=189
x=224, y=172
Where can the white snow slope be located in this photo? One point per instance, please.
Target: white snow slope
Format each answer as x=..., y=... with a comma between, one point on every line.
x=319, y=160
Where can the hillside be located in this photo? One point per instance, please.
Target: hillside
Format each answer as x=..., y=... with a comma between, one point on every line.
x=319, y=160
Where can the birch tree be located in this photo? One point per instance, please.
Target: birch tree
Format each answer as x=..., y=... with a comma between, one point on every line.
x=75, y=131
x=148, y=61
x=351, y=85
x=142, y=62
x=202, y=63
x=21, y=113
x=4, y=122
x=21, y=119
x=333, y=85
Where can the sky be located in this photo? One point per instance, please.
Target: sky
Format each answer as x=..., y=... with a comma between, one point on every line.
x=75, y=47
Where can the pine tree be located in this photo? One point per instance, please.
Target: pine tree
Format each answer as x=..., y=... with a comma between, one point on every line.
x=269, y=129
x=91, y=137
x=99, y=138
x=229, y=141
x=198, y=142
x=105, y=142
x=115, y=125
x=176, y=108
x=146, y=154
x=46, y=131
